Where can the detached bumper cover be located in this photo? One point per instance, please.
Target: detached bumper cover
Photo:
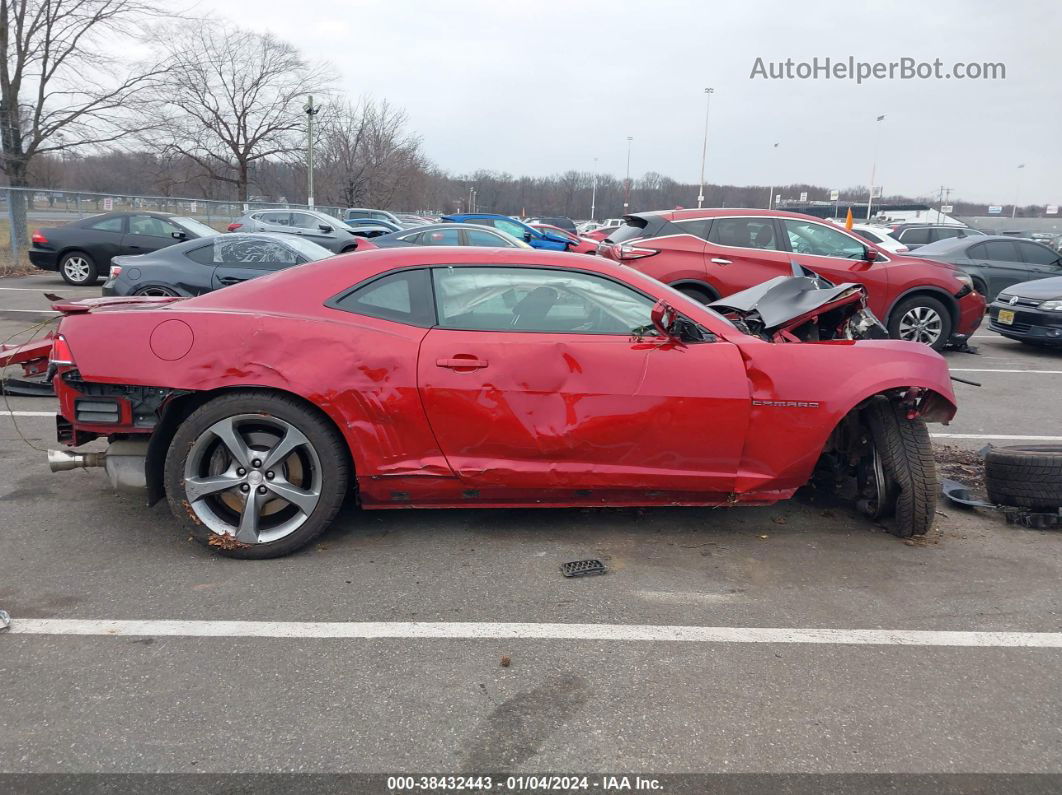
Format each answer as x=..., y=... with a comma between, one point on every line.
x=971, y=313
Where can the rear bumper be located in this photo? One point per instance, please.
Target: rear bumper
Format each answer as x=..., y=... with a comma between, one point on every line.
x=1030, y=325
x=45, y=260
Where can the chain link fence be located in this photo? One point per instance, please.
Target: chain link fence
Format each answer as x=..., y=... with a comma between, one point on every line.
x=26, y=209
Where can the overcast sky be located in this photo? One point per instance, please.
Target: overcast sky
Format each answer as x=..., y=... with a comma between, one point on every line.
x=542, y=87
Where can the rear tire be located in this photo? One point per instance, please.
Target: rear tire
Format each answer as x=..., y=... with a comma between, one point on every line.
x=698, y=294
x=1028, y=476
x=226, y=488
x=906, y=460
x=78, y=268
x=921, y=318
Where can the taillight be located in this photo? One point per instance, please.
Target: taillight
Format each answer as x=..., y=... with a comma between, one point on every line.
x=624, y=251
x=61, y=353
x=233, y=227
x=116, y=271
x=37, y=237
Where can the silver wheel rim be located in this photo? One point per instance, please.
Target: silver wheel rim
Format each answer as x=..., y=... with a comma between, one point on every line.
x=155, y=291
x=921, y=324
x=252, y=477
x=76, y=268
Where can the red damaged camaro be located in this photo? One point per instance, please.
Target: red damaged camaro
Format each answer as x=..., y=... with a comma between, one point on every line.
x=443, y=377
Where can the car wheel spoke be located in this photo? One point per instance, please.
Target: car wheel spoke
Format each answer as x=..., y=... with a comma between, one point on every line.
x=292, y=440
x=198, y=488
x=302, y=499
x=226, y=431
x=247, y=532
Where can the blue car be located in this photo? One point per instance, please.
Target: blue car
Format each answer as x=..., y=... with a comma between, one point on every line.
x=536, y=238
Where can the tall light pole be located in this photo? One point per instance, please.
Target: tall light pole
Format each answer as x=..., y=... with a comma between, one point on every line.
x=310, y=110
x=874, y=163
x=770, y=196
x=1017, y=190
x=627, y=190
x=704, y=148
x=593, y=195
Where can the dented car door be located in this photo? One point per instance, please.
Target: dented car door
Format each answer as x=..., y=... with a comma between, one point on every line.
x=549, y=378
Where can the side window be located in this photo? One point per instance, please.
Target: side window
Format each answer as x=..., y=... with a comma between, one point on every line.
x=698, y=227
x=976, y=252
x=477, y=237
x=808, y=237
x=916, y=236
x=305, y=221
x=276, y=219
x=942, y=233
x=1001, y=251
x=744, y=233
x=403, y=296
x=542, y=300
x=108, y=225
x=149, y=225
x=245, y=251
x=439, y=237
x=1037, y=255
x=513, y=228
x=204, y=255
x=863, y=233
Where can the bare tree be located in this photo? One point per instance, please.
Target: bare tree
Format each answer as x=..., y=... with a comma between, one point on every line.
x=230, y=97
x=56, y=92
x=366, y=153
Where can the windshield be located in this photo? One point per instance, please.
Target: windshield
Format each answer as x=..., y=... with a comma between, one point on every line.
x=195, y=227
x=307, y=248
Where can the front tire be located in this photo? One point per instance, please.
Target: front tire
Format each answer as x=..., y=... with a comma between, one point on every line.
x=78, y=268
x=902, y=481
x=921, y=318
x=256, y=475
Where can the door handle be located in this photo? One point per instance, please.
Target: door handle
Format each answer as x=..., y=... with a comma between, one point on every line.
x=720, y=261
x=230, y=280
x=461, y=363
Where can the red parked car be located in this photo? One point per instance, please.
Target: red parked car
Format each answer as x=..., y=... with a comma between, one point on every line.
x=602, y=233
x=435, y=377
x=708, y=254
x=578, y=245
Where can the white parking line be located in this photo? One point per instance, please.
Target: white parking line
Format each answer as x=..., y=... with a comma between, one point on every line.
x=34, y=311
x=64, y=288
x=415, y=630
x=996, y=437
x=27, y=413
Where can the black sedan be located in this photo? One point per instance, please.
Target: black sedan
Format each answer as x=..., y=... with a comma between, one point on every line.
x=1030, y=312
x=82, y=250
x=199, y=266
x=996, y=262
x=450, y=235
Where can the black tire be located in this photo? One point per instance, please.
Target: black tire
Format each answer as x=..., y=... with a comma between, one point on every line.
x=78, y=268
x=698, y=294
x=906, y=457
x=1027, y=476
x=326, y=444
x=921, y=306
x=156, y=290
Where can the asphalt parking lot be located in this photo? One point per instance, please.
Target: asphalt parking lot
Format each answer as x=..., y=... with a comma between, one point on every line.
x=198, y=696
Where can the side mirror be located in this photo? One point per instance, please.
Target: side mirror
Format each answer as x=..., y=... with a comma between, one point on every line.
x=324, y=227
x=527, y=237
x=870, y=254
x=663, y=317
x=178, y=235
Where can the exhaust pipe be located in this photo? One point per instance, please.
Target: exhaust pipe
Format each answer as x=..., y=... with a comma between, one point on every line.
x=62, y=460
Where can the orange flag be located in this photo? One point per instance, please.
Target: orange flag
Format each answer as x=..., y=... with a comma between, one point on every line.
x=848, y=220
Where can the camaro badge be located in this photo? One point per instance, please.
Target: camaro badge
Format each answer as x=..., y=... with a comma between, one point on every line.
x=788, y=404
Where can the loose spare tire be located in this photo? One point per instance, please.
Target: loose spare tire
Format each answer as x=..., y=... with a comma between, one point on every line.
x=1025, y=476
